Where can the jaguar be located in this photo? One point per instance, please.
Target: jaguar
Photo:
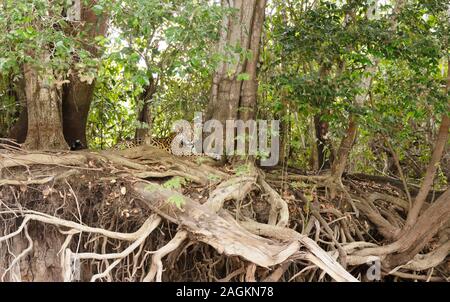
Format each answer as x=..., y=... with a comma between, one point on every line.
x=163, y=143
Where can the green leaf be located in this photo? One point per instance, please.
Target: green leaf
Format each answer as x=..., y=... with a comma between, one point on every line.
x=97, y=9
x=177, y=200
x=243, y=77
x=175, y=183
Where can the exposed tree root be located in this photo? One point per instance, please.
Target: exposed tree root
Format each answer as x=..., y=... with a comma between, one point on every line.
x=235, y=188
x=64, y=160
x=430, y=260
x=279, y=213
x=157, y=266
x=274, y=246
x=317, y=255
x=221, y=232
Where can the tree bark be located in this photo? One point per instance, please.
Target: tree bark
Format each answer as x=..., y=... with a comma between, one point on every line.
x=77, y=95
x=416, y=238
x=321, y=131
x=285, y=130
x=44, y=110
x=144, y=133
x=232, y=98
x=345, y=147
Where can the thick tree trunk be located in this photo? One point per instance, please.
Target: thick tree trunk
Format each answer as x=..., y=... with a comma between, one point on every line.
x=44, y=111
x=231, y=97
x=77, y=95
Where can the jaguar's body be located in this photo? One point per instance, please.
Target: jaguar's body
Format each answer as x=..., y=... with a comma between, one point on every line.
x=163, y=143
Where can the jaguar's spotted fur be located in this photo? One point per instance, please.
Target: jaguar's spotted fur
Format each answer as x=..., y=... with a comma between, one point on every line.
x=164, y=143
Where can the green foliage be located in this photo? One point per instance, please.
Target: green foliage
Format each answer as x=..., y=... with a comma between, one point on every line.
x=177, y=200
x=111, y=118
x=8, y=106
x=213, y=178
x=242, y=170
x=243, y=77
x=175, y=183
x=316, y=54
x=37, y=34
x=158, y=53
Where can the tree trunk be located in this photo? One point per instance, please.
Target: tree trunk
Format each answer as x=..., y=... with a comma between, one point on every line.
x=416, y=238
x=45, y=130
x=321, y=126
x=438, y=151
x=445, y=163
x=77, y=95
x=144, y=117
x=232, y=98
x=321, y=131
x=284, y=133
x=346, y=145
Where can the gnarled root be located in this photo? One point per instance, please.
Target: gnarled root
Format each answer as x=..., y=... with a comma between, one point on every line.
x=156, y=268
x=228, y=237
